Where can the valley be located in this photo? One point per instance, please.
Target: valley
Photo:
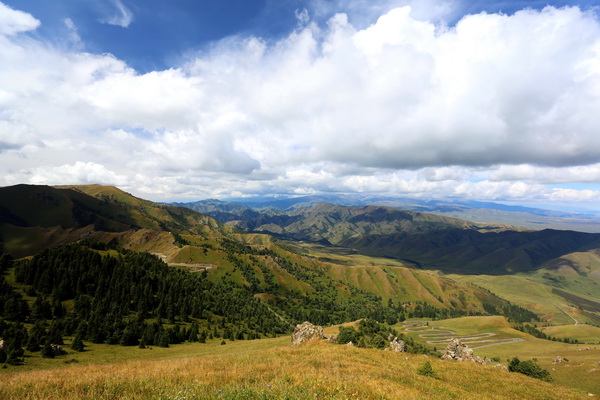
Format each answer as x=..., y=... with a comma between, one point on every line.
x=184, y=278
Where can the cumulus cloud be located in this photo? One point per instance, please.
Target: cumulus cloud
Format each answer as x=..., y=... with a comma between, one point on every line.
x=532, y=173
x=77, y=173
x=497, y=106
x=15, y=21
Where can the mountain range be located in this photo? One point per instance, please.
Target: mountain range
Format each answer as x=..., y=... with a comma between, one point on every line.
x=321, y=241
x=474, y=211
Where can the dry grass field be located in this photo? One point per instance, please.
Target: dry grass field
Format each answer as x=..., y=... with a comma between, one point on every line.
x=269, y=369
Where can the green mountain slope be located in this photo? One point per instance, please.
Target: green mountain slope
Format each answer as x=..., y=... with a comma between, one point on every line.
x=469, y=251
x=299, y=285
x=428, y=240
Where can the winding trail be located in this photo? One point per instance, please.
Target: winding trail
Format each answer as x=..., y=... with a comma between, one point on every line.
x=441, y=335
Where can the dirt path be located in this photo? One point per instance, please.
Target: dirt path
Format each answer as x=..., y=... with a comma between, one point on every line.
x=441, y=335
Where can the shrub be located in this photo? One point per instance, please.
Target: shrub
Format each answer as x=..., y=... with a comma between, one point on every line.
x=347, y=334
x=426, y=370
x=529, y=368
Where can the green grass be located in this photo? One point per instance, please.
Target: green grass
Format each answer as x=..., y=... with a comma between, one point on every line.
x=583, y=333
x=529, y=293
x=581, y=372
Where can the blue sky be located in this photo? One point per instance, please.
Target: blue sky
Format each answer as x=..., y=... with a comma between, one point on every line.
x=482, y=100
x=156, y=34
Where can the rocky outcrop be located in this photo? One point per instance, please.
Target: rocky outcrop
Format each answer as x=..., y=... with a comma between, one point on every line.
x=458, y=351
x=305, y=332
x=397, y=345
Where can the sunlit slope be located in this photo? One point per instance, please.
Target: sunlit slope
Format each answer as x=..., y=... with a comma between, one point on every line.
x=565, y=290
x=35, y=217
x=544, y=300
x=579, y=371
x=240, y=370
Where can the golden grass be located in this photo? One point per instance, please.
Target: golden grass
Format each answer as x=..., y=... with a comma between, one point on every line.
x=314, y=370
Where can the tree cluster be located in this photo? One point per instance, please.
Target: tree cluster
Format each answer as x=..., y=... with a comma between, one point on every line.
x=533, y=331
x=122, y=297
x=529, y=368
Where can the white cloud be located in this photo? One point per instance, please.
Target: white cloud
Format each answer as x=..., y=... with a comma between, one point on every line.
x=532, y=173
x=77, y=173
x=15, y=21
x=73, y=35
x=496, y=107
x=121, y=16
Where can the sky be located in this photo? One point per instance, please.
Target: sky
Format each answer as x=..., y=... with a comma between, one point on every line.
x=190, y=99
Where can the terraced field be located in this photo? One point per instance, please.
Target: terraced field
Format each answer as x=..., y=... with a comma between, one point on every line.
x=493, y=337
x=439, y=335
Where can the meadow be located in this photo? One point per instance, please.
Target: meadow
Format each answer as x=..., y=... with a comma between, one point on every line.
x=264, y=369
x=581, y=370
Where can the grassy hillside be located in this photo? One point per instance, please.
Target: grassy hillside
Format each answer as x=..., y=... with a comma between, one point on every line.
x=105, y=208
x=280, y=273
x=473, y=252
x=564, y=290
x=251, y=370
x=580, y=371
x=586, y=334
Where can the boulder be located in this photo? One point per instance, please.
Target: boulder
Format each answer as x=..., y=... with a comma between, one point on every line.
x=557, y=360
x=457, y=350
x=397, y=345
x=305, y=332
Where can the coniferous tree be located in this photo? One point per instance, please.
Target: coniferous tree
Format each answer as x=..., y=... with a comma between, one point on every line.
x=77, y=344
x=48, y=351
x=163, y=340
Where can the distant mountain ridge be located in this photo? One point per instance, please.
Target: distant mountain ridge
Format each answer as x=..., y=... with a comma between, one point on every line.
x=428, y=240
x=474, y=211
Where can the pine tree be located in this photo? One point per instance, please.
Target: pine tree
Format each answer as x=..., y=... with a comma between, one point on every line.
x=163, y=340
x=48, y=351
x=77, y=344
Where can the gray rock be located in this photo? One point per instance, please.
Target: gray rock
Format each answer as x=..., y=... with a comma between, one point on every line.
x=305, y=332
x=397, y=345
x=457, y=350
